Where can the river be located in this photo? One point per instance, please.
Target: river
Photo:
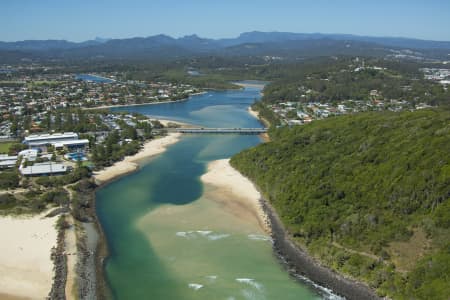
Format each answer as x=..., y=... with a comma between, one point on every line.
x=172, y=237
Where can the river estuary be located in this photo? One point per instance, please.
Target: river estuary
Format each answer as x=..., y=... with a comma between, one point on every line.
x=172, y=237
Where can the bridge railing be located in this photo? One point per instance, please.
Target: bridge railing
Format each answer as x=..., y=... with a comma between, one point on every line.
x=220, y=130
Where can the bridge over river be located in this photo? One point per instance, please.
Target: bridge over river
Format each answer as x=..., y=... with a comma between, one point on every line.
x=219, y=130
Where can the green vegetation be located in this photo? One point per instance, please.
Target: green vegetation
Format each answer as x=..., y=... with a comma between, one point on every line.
x=333, y=80
x=111, y=150
x=266, y=114
x=367, y=194
x=33, y=201
x=77, y=174
x=4, y=147
x=9, y=179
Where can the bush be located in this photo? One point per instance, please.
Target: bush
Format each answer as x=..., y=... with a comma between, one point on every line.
x=9, y=179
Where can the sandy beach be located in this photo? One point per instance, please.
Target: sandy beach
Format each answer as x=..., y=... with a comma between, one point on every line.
x=181, y=124
x=245, y=198
x=148, y=103
x=134, y=104
x=253, y=112
x=129, y=163
x=26, y=270
x=249, y=84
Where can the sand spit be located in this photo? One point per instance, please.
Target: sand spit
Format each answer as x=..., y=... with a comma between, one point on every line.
x=228, y=180
x=129, y=163
x=26, y=270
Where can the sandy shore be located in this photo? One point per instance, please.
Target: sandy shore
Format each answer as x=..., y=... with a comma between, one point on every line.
x=181, y=124
x=265, y=136
x=71, y=251
x=129, y=163
x=135, y=104
x=253, y=112
x=148, y=103
x=228, y=180
x=26, y=270
x=249, y=84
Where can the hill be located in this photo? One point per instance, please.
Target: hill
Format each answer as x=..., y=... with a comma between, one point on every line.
x=283, y=44
x=368, y=195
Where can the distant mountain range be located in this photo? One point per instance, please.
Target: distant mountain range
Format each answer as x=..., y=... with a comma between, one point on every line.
x=249, y=43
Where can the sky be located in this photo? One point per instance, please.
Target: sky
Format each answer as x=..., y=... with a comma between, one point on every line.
x=80, y=20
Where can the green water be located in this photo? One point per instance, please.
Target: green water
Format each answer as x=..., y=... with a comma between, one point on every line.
x=171, y=237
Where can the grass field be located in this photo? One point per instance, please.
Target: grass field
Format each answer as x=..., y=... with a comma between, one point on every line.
x=4, y=147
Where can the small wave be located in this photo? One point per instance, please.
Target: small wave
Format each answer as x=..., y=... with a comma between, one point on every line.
x=326, y=292
x=251, y=282
x=252, y=295
x=215, y=237
x=195, y=286
x=204, y=232
x=211, y=277
x=259, y=237
x=182, y=234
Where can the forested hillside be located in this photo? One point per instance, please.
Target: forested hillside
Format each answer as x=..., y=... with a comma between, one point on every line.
x=367, y=194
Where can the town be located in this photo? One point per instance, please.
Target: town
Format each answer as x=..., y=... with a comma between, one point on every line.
x=317, y=96
x=29, y=96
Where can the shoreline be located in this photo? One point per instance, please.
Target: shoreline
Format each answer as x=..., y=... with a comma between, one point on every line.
x=249, y=84
x=245, y=198
x=27, y=244
x=141, y=104
x=300, y=264
x=264, y=136
x=130, y=163
x=92, y=236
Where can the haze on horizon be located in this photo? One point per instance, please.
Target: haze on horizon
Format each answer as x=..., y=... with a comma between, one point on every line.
x=82, y=20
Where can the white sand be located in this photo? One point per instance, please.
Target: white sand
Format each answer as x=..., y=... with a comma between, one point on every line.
x=26, y=269
x=128, y=164
x=253, y=112
x=71, y=251
x=181, y=124
x=223, y=176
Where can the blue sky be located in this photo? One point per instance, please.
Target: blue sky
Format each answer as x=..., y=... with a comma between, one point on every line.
x=79, y=20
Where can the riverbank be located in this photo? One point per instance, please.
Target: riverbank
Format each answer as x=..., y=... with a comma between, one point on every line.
x=302, y=265
x=242, y=198
x=249, y=84
x=141, y=104
x=91, y=236
x=26, y=245
x=129, y=164
x=254, y=113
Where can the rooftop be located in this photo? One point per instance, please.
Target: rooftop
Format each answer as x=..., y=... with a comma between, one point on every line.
x=44, y=168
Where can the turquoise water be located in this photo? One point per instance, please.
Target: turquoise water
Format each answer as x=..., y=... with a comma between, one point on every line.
x=172, y=237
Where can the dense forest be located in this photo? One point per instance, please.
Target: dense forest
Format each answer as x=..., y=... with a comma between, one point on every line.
x=366, y=194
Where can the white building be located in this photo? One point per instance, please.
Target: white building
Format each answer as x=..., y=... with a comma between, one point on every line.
x=66, y=140
x=36, y=140
x=29, y=154
x=47, y=168
x=7, y=161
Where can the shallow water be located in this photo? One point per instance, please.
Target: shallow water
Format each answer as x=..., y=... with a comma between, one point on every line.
x=171, y=237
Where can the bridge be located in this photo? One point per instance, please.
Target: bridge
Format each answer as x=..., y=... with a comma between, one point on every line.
x=220, y=130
